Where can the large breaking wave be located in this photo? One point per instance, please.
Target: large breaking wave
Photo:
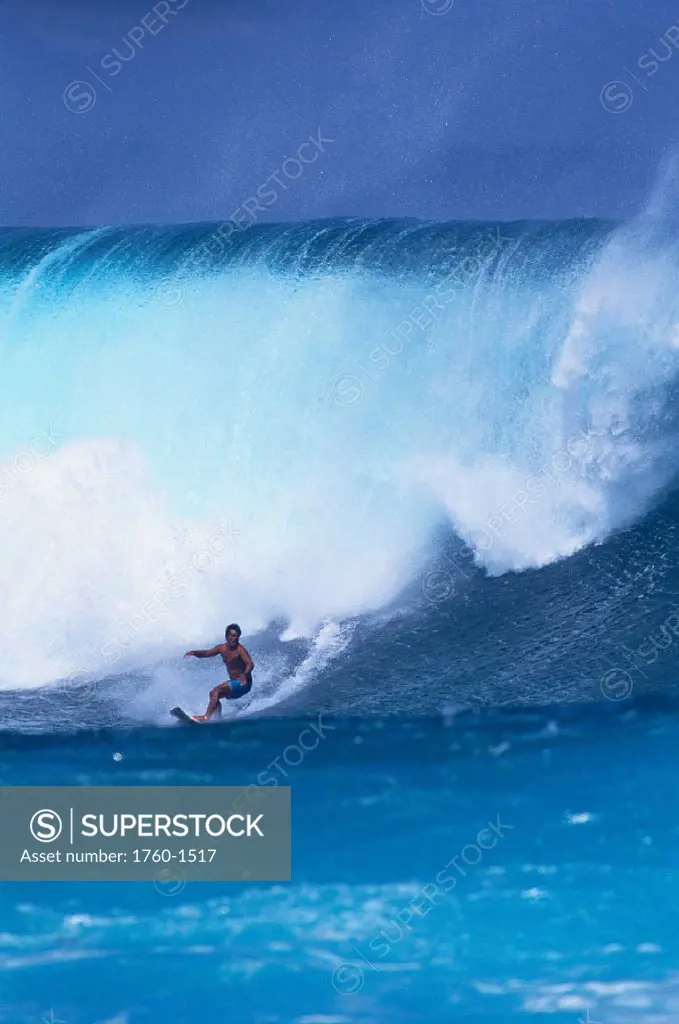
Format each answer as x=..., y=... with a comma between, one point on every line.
x=277, y=430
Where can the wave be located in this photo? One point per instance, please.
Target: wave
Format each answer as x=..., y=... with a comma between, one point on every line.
x=275, y=428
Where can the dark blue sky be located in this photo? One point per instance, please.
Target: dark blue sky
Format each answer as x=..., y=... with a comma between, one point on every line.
x=493, y=109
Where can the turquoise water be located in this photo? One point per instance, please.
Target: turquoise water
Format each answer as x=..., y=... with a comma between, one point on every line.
x=404, y=905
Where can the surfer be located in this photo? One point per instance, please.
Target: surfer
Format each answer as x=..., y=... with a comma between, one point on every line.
x=239, y=665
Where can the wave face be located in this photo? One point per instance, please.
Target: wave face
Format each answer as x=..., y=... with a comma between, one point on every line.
x=292, y=427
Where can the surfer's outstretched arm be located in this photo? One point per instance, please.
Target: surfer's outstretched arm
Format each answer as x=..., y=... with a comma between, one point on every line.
x=210, y=653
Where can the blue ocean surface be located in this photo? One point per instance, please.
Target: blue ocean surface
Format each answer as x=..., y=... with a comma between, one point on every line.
x=430, y=469
x=478, y=866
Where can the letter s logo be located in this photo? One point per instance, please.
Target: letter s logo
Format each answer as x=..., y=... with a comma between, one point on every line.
x=45, y=826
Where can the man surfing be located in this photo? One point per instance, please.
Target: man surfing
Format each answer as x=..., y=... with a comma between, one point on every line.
x=239, y=665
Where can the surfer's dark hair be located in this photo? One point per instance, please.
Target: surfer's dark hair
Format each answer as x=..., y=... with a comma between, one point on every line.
x=234, y=625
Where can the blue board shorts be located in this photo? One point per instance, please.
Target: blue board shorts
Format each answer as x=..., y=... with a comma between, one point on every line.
x=238, y=689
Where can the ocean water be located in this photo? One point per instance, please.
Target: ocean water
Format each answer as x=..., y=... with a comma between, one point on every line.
x=430, y=469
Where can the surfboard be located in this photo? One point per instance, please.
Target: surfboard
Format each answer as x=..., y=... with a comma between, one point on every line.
x=183, y=716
